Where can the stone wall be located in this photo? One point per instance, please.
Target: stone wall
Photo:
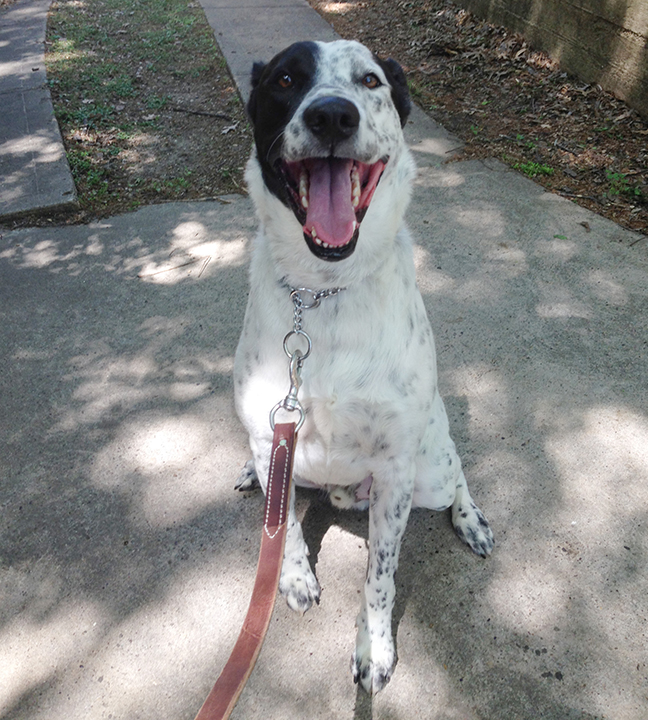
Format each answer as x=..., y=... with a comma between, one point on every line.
x=599, y=41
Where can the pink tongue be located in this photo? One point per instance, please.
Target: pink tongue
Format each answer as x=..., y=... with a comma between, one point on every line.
x=330, y=210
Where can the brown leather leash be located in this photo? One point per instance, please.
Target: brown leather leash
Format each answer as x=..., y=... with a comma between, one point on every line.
x=223, y=696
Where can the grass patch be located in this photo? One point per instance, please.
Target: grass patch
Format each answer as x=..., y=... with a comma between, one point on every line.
x=533, y=169
x=621, y=186
x=125, y=76
x=157, y=102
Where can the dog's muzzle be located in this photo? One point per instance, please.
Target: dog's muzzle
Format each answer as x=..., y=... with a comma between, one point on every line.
x=330, y=195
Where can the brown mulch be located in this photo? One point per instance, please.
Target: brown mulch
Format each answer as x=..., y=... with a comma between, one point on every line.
x=506, y=100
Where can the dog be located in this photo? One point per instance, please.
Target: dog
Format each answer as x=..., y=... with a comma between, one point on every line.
x=330, y=176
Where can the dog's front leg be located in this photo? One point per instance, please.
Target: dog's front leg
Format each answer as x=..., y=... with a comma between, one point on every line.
x=298, y=583
x=375, y=657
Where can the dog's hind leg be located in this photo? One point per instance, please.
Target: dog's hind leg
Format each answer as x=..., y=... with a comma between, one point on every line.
x=440, y=483
x=248, y=479
x=469, y=521
x=438, y=466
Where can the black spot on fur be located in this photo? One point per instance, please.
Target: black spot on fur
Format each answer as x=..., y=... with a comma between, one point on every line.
x=399, y=90
x=271, y=106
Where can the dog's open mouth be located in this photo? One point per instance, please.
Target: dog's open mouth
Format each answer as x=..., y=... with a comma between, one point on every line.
x=330, y=197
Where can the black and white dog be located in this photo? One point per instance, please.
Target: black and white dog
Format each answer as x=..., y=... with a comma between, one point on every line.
x=330, y=178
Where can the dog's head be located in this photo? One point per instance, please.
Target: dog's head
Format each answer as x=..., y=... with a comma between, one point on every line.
x=327, y=121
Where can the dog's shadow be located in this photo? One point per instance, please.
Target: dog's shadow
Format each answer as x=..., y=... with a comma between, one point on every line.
x=319, y=517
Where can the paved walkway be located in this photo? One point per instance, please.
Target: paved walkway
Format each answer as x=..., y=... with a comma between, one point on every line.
x=34, y=173
x=126, y=558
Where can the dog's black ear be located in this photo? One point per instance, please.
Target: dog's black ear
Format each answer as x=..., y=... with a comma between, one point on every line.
x=400, y=92
x=257, y=72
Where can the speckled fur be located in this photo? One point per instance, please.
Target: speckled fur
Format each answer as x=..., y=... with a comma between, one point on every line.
x=370, y=385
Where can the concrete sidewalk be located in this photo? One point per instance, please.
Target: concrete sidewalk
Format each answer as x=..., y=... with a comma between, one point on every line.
x=127, y=559
x=34, y=172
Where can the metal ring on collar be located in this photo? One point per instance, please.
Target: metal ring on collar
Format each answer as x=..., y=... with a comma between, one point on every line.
x=296, y=293
x=305, y=336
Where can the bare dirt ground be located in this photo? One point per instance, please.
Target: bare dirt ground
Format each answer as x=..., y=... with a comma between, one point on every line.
x=505, y=100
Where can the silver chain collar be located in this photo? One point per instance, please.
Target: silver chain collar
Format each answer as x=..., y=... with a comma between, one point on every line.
x=311, y=300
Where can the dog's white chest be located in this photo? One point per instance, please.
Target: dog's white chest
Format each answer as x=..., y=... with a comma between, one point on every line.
x=367, y=384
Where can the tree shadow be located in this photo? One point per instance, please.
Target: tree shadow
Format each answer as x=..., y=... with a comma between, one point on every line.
x=128, y=559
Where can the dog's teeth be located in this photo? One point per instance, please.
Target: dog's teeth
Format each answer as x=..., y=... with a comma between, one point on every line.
x=316, y=239
x=355, y=187
x=303, y=189
x=355, y=226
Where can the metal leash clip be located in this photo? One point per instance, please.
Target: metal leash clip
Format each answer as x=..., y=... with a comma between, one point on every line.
x=290, y=403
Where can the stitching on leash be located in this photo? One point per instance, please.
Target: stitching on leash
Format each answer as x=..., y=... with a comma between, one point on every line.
x=282, y=444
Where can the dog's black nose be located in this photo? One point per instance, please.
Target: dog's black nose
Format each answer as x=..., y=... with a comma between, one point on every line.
x=332, y=119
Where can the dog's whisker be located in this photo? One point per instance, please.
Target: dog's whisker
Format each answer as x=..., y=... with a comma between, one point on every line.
x=276, y=140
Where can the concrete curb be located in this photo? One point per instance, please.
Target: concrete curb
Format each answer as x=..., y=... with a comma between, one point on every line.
x=34, y=172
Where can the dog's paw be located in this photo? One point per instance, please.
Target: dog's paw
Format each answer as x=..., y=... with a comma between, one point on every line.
x=373, y=661
x=471, y=526
x=299, y=586
x=248, y=479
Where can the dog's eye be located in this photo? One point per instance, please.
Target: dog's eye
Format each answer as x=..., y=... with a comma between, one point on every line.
x=285, y=81
x=371, y=81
